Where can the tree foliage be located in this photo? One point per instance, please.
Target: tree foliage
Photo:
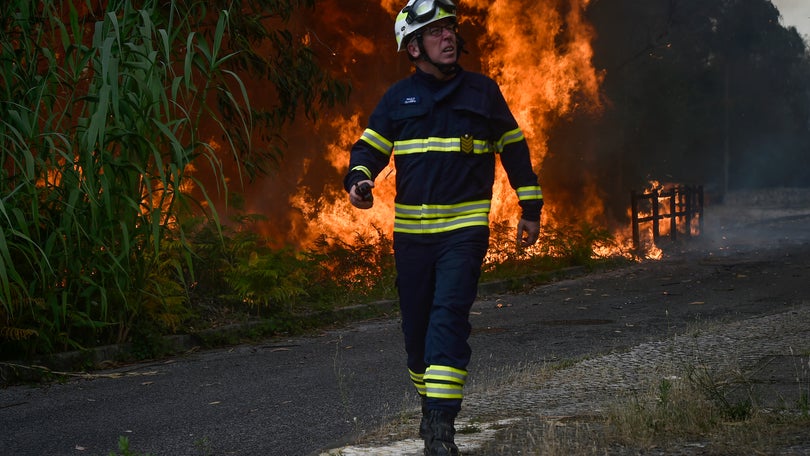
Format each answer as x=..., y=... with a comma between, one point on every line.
x=277, y=64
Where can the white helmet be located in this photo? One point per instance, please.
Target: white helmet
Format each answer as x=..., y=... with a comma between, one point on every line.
x=417, y=14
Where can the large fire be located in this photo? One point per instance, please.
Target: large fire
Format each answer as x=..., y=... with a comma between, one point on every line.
x=539, y=52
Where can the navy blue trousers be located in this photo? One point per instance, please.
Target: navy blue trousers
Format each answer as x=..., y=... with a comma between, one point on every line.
x=437, y=282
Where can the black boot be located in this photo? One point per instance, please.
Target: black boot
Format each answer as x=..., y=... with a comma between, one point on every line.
x=424, y=425
x=441, y=442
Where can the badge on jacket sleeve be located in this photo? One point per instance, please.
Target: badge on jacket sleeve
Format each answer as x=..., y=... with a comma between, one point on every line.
x=467, y=143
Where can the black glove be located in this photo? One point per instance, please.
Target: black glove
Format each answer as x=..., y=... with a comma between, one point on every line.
x=364, y=191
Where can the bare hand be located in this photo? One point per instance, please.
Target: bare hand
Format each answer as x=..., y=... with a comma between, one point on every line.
x=357, y=200
x=527, y=232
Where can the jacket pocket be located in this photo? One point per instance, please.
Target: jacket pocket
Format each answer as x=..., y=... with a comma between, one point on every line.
x=471, y=119
x=409, y=112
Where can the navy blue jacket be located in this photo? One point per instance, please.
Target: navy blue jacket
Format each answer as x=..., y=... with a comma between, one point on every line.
x=444, y=136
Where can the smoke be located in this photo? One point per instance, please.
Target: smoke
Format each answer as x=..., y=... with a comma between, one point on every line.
x=708, y=92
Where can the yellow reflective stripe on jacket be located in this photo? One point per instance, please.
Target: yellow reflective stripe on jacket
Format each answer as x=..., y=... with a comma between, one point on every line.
x=433, y=144
x=428, y=226
x=533, y=192
x=363, y=170
x=377, y=141
x=435, y=211
x=510, y=137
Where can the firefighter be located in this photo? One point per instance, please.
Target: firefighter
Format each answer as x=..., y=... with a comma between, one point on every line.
x=443, y=125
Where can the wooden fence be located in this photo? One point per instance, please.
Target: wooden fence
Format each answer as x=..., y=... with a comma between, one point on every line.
x=680, y=205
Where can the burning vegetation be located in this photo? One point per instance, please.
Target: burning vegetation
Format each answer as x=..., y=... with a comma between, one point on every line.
x=113, y=124
x=540, y=53
x=610, y=98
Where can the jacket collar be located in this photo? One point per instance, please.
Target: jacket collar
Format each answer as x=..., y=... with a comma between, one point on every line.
x=440, y=89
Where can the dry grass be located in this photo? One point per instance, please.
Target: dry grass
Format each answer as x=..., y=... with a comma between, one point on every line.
x=721, y=388
x=701, y=412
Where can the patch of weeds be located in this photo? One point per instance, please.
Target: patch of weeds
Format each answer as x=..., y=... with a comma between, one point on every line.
x=468, y=429
x=204, y=445
x=671, y=410
x=123, y=447
x=565, y=363
x=763, y=433
x=547, y=437
x=803, y=379
x=709, y=409
x=803, y=403
x=719, y=392
x=148, y=341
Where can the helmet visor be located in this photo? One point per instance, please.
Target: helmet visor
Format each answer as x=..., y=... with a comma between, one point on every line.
x=424, y=10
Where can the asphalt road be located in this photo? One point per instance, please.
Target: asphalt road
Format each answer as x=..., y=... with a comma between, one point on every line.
x=291, y=397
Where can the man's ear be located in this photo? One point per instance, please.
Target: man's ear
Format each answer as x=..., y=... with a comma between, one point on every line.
x=413, y=49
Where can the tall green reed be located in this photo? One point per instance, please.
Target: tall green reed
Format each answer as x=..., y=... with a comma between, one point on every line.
x=97, y=140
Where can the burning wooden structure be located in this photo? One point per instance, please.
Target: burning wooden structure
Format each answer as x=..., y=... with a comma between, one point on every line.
x=680, y=205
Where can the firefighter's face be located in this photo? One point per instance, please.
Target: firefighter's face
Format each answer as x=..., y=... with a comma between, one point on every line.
x=439, y=40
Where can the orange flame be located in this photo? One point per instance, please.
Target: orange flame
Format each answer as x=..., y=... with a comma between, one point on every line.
x=540, y=54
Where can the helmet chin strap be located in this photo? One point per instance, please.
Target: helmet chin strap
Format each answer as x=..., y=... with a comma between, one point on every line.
x=444, y=68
